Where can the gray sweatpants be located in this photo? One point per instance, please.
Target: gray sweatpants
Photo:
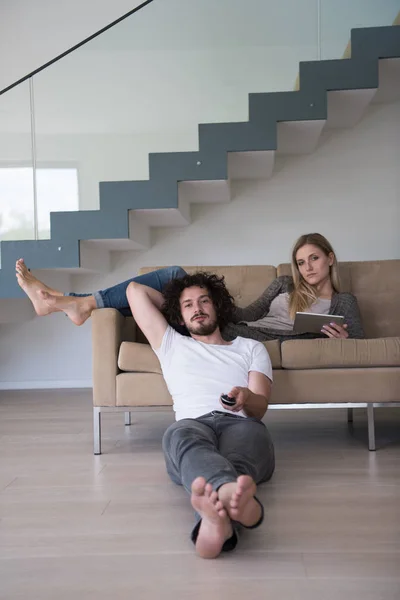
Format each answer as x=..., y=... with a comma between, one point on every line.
x=219, y=447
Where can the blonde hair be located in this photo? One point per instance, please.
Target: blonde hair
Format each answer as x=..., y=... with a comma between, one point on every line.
x=303, y=294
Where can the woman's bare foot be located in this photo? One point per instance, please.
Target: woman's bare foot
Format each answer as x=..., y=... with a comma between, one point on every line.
x=78, y=309
x=32, y=288
x=238, y=499
x=215, y=527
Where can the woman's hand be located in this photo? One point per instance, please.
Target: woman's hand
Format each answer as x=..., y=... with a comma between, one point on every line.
x=333, y=330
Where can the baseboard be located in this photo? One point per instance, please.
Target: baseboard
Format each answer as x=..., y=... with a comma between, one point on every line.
x=48, y=384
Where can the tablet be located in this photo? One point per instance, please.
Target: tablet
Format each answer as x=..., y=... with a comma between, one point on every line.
x=313, y=322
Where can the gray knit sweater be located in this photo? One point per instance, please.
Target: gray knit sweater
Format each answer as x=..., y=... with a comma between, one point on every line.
x=342, y=304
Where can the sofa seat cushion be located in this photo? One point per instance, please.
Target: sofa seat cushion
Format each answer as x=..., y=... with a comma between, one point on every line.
x=140, y=358
x=142, y=389
x=337, y=353
x=274, y=350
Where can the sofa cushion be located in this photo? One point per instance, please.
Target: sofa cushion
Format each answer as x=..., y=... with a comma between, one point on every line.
x=140, y=358
x=274, y=350
x=330, y=386
x=336, y=353
x=142, y=389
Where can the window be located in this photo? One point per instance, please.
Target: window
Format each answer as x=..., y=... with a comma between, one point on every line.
x=57, y=190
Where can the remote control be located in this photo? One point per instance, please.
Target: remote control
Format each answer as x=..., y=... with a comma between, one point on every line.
x=225, y=399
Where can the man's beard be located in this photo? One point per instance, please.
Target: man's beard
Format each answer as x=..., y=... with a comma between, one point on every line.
x=202, y=328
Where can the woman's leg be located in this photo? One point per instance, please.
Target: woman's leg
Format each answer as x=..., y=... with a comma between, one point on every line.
x=233, y=330
x=79, y=307
x=115, y=296
x=33, y=288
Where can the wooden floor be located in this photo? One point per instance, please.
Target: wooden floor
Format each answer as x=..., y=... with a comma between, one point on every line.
x=78, y=526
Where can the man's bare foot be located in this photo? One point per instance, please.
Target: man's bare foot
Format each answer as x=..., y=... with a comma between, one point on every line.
x=78, y=309
x=32, y=288
x=215, y=527
x=238, y=499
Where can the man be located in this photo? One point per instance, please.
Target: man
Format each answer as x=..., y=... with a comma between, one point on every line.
x=216, y=451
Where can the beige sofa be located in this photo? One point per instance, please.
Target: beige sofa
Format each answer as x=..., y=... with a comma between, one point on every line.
x=310, y=373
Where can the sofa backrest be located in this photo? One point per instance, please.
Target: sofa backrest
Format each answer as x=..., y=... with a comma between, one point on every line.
x=376, y=285
x=245, y=283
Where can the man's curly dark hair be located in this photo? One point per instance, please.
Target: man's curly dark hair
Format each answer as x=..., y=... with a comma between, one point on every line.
x=223, y=302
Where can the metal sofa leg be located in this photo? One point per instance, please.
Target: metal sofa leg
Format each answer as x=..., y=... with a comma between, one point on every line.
x=350, y=415
x=371, y=427
x=128, y=418
x=96, y=430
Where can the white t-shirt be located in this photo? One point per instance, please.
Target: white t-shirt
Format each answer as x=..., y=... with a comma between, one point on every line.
x=197, y=374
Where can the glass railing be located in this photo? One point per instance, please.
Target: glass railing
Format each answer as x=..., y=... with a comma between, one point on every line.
x=338, y=17
x=17, y=212
x=145, y=85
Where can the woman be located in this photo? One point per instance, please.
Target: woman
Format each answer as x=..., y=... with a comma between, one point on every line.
x=313, y=287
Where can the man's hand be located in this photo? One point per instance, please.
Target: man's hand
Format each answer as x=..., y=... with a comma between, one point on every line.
x=253, y=400
x=241, y=395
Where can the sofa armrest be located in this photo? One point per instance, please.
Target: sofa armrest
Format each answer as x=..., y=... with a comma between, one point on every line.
x=109, y=330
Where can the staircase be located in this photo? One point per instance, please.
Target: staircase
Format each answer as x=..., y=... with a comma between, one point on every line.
x=332, y=94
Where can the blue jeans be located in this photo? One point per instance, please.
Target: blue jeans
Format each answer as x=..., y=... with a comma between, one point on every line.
x=115, y=296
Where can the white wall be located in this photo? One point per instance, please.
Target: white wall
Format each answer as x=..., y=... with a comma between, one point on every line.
x=349, y=190
x=35, y=32
x=32, y=32
x=99, y=109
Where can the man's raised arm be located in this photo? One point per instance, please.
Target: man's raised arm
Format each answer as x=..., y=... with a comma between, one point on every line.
x=145, y=304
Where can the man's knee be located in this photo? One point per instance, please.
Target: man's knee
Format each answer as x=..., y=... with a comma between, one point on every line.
x=176, y=433
x=175, y=272
x=269, y=463
x=242, y=464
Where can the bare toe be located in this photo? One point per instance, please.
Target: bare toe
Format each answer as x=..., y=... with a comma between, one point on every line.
x=243, y=507
x=198, y=486
x=214, y=497
x=215, y=527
